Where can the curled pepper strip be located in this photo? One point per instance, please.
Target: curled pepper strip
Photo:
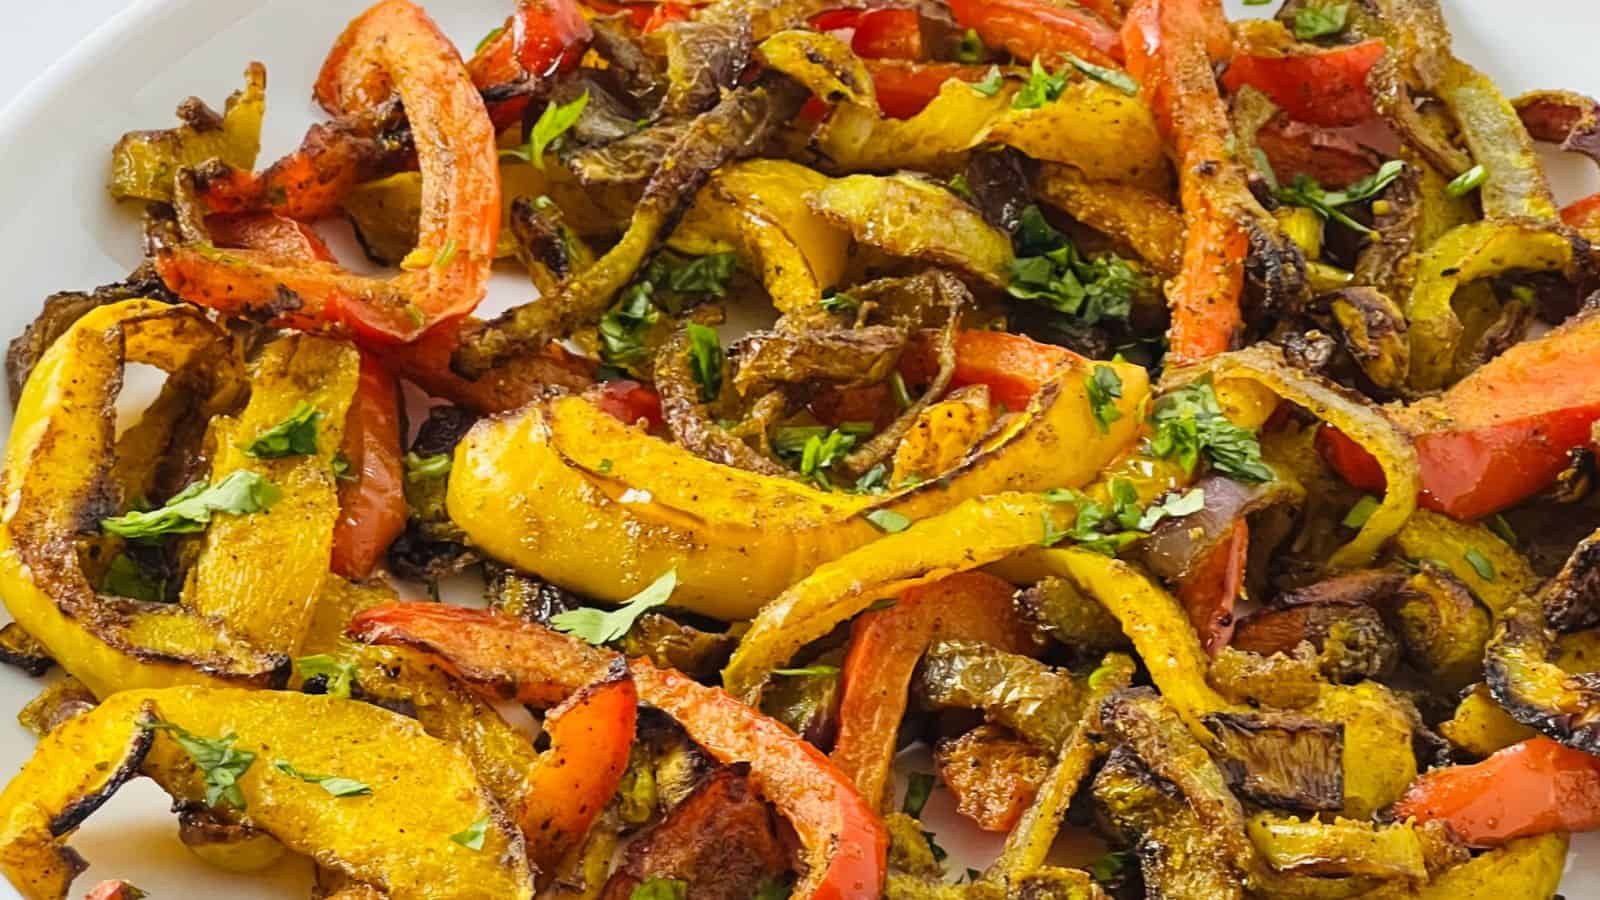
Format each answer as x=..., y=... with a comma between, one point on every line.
x=1344, y=411
x=885, y=647
x=844, y=842
x=58, y=462
x=447, y=275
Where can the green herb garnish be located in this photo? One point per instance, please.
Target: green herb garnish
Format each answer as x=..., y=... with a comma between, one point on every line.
x=889, y=521
x=1041, y=87
x=1467, y=182
x=294, y=436
x=602, y=626
x=1049, y=270
x=1314, y=21
x=336, y=674
x=1115, y=78
x=221, y=766
x=705, y=360
x=1173, y=506
x=241, y=493
x=991, y=83
x=1189, y=422
x=422, y=468
x=333, y=784
x=919, y=786
x=1480, y=564
x=1104, y=387
x=1362, y=511
x=552, y=123
x=1307, y=192
x=971, y=48
x=807, y=671
x=472, y=836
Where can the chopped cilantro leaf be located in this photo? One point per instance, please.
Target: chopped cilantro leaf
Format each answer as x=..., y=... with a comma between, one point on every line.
x=221, y=766
x=189, y=511
x=602, y=626
x=472, y=836
x=336, y=674
x=1480, y=563
x=991, y=83
x=1188, y=422
x=333, y=784
x=1104, y=387
x=705, y=360
x=1041, y=87
x=888, y=520
x=919, y=786
x=296, y=435
x=1320, y=20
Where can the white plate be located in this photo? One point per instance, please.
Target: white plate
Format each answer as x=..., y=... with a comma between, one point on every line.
x=61, y=231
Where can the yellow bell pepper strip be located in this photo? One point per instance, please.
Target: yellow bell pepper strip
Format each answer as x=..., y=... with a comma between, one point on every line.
x=530, y=488
x=844, y=845
x=144, y=163
x=423, y=826
x=447, y=274
x=78, y=767
x=240, y=577
x=62, y=442
x=1525, y=869
x=885, y=647
x=1166, y=44
x=1375, y=433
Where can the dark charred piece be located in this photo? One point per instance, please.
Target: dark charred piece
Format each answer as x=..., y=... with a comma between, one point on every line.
x=1284, y=761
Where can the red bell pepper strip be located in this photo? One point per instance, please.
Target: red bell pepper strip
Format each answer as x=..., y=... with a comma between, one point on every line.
x=1209, y=593
x=460, y=210
x=885, y=647
x=904, y=88
x=426, y=363
x=1534, y=787
x=1500, y=434
x=270, y=233
x=542, y=38
x=1037, y=28
x=1320, y=86
x=878, y=33
x=591, y=735
x=844, y=843
x=372, y=495
x=1167, y=47
x=629, y=401
x=1011, y=365
x=1584, y=215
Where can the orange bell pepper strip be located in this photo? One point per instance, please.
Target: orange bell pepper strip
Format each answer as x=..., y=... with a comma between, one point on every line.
x=1169, y=47
x=844, y=843
x=885, y=647
x=1038, y=28
x=1319, y=86
x=904, y=88
x=113, y=890
x=1533, y=787
x=460, y=210
x=542, y=38
x=372, y=496
x=591, y=735
x=1500, y=434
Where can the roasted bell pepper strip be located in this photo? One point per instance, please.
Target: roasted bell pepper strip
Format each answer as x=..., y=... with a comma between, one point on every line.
x=1209, y=594
x=542, y=38
x=270, y=233
x=878, y=33
x=1036, y=28
x=904, y=88
x=1500, y=434
x=372, y=498
x=1166, y=43
x=426, y=362
x=460, y=210
x=629, y=401
x=1584, y=215
x=1534, y=787
x=844, y=842
x=1011, y=365
x=885, y=647
x=114, y=890
x=1312, y=84
x=591, y=735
